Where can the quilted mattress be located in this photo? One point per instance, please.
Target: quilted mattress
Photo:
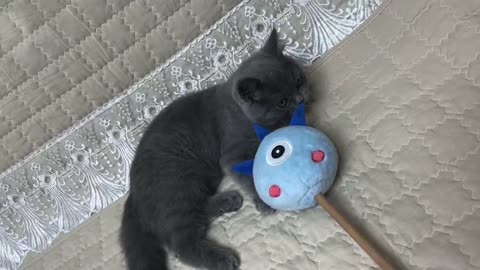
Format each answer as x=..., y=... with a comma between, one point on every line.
x=399, y=96
x=60, y=60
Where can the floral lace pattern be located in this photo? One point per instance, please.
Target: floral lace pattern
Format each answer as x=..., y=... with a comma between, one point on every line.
x=86, y=168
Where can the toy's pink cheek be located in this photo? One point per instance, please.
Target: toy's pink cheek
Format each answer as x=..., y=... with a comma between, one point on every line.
x=318, y=156
x=274, y=191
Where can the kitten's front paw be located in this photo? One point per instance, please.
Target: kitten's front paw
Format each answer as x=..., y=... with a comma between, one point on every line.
x=263, y=207
x=231, y=201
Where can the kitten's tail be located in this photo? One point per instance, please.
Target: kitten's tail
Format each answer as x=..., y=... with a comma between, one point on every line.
x=143, y=251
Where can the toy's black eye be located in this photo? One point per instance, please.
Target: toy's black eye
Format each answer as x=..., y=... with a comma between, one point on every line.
x=283, y=103
x=278, y=151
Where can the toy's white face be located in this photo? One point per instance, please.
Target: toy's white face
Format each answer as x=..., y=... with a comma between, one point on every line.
x=292, y=165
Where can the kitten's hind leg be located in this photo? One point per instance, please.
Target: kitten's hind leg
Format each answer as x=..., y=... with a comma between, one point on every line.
x=224, y=202
x=195, y=249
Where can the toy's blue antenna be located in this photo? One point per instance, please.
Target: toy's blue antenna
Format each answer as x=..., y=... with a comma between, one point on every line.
x=298, y=117
x=260, y=131
x=244, y=168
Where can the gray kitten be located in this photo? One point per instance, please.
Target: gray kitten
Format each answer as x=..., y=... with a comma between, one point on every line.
x=183, y=154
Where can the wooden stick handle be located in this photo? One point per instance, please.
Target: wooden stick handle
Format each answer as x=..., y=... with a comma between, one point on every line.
x=376, y=256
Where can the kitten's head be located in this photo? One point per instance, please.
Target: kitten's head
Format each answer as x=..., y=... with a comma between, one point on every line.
x=269, y=85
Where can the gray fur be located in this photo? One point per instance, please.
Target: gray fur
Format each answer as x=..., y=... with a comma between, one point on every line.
x=185, y=152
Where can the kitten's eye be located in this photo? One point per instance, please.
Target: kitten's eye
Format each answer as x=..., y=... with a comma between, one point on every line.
x=299, y=81
x=283, y=103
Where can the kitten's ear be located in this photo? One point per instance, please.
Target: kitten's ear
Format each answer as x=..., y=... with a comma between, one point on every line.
x=271, y=46
x=248, y=89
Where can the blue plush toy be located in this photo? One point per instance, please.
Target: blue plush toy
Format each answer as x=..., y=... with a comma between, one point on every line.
x=292, y=165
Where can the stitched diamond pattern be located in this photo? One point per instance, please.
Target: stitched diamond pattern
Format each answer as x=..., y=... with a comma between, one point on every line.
x=419, y=194
x=79, y=54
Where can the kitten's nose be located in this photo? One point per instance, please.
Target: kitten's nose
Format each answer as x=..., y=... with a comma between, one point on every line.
x=318, y=156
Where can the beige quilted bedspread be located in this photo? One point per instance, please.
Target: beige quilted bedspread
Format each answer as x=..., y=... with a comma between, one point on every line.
x=62, y=59
x=401, y=100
